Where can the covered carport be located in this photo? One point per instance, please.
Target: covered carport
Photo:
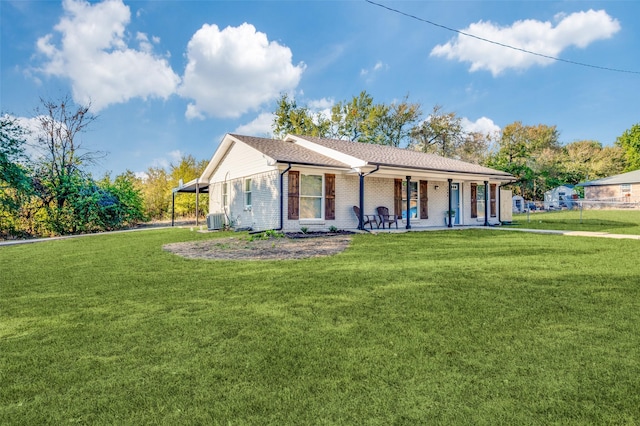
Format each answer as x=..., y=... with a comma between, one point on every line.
x=196, y=186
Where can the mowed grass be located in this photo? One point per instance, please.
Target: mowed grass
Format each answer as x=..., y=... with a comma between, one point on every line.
x=454, y=327
x=611, y=221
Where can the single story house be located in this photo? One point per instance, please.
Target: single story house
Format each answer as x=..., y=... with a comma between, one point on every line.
x=623, y=188
x=315, y=183
x=559, y=197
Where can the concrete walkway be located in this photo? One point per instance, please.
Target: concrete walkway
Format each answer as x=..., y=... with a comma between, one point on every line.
x=574, y=233
x=508, y=228
x=66, y=237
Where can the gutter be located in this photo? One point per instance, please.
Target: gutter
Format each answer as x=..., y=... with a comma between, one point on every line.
x=282, y=197
x=362, y=176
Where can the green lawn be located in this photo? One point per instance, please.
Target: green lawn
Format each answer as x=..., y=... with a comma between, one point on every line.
x=612, y=221
x=452, y=327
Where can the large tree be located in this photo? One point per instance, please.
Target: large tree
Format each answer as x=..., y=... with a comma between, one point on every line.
x=589, y=160
x=441, y=133
x=358, y=119
x=61, y=179
x=63, y=157
x=396, y=124
x=629, y=141
x=186, y=170
x=15, y=182
x=156, y=193
x=531, y=154
x=298, y=120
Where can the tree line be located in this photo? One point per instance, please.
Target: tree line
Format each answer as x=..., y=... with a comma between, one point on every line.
x=52, y=193
x=533, y=154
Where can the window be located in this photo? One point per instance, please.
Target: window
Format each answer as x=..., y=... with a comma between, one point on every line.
x=477, y=201
x=492, y=199
x=480, y=200
x=225, y=195
x=625, y=188
x=413, y=199
x=247, y=193
x=311, y=196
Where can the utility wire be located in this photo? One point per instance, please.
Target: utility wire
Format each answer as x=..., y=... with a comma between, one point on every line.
x=582, y=64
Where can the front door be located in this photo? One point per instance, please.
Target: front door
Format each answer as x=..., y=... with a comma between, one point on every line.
x=455, y=202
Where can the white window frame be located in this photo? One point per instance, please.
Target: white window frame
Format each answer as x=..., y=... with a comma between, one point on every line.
x=415, y=195
x=480, y=202
x=321, y=197
x=625, y=188
x=225, y=195
x=248, y=193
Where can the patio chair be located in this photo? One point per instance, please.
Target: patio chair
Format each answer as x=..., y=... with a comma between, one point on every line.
x=367, y=218
x=385, y=217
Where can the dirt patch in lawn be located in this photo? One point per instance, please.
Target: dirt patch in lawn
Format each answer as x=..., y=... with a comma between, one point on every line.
x=290, y=246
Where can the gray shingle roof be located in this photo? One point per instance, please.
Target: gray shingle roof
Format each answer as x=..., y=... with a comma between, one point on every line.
x=630, y=177
x=405, y=158
x=289, y=152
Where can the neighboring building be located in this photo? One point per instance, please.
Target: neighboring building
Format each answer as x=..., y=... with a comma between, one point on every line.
x=623, y=188
x=314, y=183
x=561, y=197
x=518, y=204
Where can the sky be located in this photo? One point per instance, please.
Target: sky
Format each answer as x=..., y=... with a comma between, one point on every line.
x=171, y=78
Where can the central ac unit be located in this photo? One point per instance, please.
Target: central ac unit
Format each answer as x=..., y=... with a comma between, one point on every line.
x=215, y=221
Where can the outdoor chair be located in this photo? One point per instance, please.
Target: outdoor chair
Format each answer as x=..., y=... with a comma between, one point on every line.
x=367, y=219
x=385, y=217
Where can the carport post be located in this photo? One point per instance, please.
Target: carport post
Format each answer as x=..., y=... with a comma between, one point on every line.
x=173, y=205
x=197, y=200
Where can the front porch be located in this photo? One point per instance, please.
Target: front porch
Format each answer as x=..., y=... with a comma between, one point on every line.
x=427, y=202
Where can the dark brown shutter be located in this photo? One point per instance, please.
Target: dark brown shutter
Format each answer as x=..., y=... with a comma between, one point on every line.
x=294, y=194
x=397, y=197
x=474, y=200
x=492, y=194
x=329, y=197
x=424, y=199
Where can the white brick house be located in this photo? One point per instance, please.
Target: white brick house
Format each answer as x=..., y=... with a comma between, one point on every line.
x=314, y=183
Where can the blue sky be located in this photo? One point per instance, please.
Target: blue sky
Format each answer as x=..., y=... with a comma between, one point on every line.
x=169, y=78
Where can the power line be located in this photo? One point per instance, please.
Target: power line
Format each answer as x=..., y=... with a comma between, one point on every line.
x=435, y=24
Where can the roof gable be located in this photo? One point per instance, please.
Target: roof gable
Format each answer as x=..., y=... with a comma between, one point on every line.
x=289, y=152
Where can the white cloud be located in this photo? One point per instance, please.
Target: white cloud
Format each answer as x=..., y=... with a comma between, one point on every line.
x=260, y=126
x=170, y=158
x=234, y=70
x=379, y=66
x=93, y=53
x=321, y=104
x=143, y=176
x=577, y=29
x=482, y=125
x=144, y=43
